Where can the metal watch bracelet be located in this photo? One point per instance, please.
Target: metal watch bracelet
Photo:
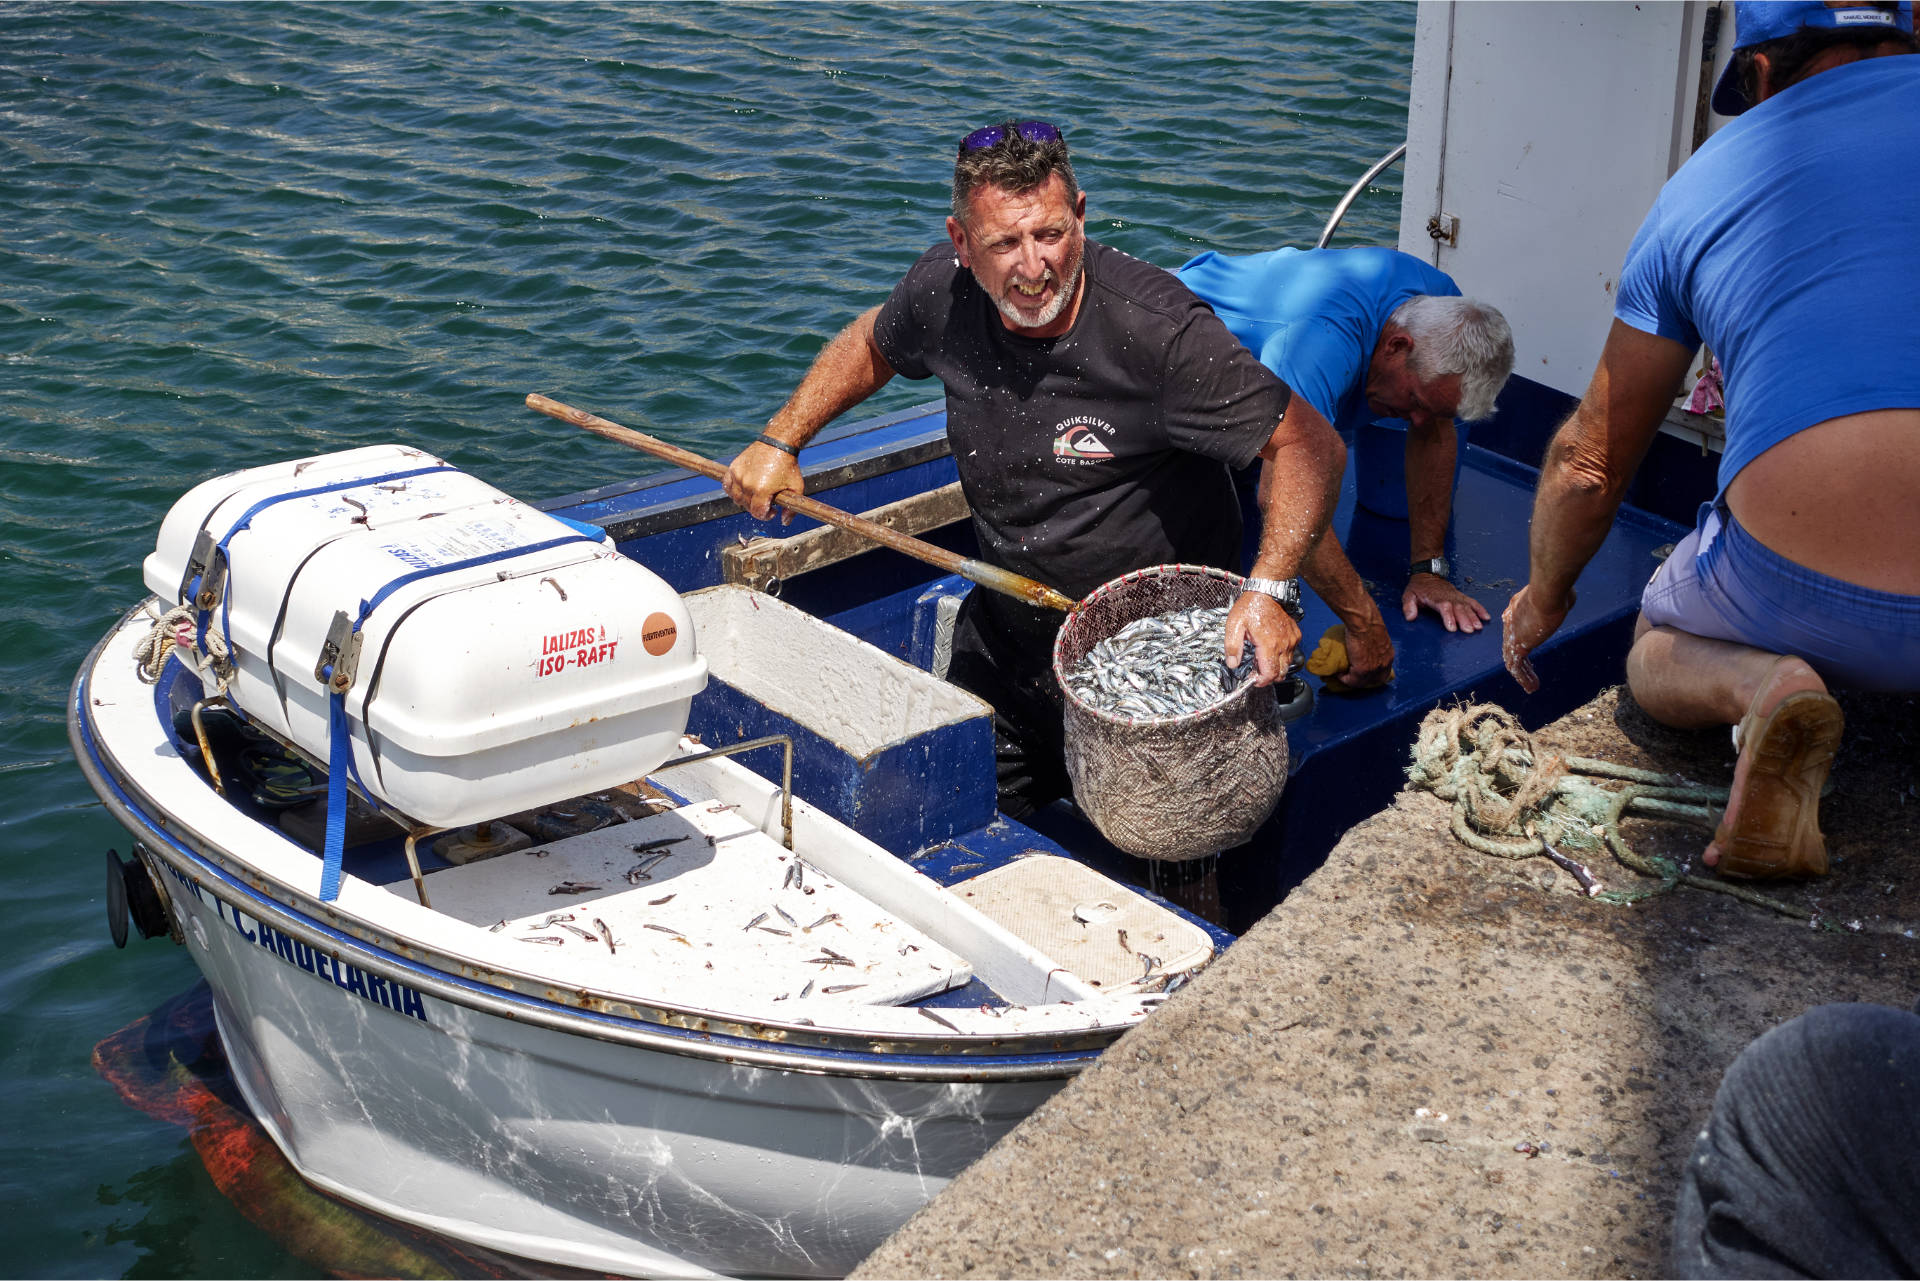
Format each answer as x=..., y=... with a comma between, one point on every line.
x=1284, y=590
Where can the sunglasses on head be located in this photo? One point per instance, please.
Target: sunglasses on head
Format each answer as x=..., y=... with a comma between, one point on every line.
x=992, y=135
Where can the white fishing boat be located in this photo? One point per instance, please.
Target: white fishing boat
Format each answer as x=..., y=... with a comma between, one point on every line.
x=656, y=1015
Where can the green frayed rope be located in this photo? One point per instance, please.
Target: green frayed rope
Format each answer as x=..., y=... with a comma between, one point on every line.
x=1512, y=802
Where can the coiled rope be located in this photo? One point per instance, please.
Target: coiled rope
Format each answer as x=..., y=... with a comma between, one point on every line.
x=1512, y=801
x=174, y=630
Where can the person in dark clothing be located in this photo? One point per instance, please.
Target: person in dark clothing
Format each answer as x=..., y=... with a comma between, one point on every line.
x=1810, y=1163
x=1095, y=408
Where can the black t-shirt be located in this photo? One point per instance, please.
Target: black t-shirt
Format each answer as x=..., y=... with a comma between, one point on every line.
x=1103, y=450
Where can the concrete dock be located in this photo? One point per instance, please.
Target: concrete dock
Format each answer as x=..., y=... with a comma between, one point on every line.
x=1428, y=1061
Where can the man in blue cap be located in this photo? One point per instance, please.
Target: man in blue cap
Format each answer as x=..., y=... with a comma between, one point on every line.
x=1789, y=244
x=1364, y=334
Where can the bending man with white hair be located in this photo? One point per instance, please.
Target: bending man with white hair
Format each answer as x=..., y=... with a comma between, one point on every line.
x=1365, y=334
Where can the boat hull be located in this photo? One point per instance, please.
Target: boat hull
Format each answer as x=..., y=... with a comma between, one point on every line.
x=565, y=1146
x=534, y=1121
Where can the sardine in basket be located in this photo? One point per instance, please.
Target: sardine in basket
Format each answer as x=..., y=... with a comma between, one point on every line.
x=1171, y=788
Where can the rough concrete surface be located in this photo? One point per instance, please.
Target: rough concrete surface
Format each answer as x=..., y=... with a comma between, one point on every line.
x=1349, y=1091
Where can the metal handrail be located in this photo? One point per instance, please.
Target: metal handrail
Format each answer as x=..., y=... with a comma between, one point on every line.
x=1340, y=210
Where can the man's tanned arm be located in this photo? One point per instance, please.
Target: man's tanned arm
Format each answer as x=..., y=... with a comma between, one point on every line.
x=1301, y=485
x=1584, y=478
x=848, y=369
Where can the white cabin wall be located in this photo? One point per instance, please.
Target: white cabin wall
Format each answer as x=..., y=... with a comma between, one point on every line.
x=1547, y=129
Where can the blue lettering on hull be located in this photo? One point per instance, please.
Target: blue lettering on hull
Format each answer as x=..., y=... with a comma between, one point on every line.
x=344, y=975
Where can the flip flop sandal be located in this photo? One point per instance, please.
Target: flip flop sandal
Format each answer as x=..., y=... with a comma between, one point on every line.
x=1792, y=749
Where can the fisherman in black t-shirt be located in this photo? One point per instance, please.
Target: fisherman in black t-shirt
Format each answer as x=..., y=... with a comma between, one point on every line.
x=1094, y=408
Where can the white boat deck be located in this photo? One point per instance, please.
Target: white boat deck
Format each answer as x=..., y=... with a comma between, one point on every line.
x=700, y=902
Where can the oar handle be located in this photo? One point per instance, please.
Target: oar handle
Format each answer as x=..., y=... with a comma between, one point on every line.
x=978, y=571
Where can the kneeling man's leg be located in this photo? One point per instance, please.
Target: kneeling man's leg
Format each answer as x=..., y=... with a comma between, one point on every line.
x=1789, y=731
x=1691, y=666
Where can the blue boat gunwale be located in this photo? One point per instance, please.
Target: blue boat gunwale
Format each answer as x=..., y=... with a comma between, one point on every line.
x=667, y=1030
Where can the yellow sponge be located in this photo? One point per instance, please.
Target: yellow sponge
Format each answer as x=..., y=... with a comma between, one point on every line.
x=1329, y=659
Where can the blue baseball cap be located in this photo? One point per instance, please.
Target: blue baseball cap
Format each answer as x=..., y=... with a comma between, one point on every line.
x=1758, y=21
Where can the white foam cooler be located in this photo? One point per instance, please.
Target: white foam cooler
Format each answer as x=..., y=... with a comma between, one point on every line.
x=504, y=661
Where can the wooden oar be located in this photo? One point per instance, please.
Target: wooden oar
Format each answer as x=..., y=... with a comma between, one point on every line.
x=990, y=576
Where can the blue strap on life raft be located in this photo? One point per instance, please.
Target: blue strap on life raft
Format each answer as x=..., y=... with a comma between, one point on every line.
x=339, y=730
x=246, y=519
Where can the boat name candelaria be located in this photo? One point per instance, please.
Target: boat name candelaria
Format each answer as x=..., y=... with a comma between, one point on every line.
x=344, y=975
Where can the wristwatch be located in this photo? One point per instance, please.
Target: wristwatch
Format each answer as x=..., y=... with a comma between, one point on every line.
x=1284, y=590
x=1439, y=566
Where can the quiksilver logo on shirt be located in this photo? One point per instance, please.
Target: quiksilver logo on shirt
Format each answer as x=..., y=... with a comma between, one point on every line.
x=1083, y=440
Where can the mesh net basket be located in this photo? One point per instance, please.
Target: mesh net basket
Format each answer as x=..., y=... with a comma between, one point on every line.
x=1171, y=788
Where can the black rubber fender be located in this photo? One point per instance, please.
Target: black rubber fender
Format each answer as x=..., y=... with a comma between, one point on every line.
x=131, y=894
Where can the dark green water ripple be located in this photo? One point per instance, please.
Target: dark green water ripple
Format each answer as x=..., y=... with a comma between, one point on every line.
x=234, y=233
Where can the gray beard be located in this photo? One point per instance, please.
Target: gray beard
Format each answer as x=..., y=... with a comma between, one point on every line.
x=1061, y=298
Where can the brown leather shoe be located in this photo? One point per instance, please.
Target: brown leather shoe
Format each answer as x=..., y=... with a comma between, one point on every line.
x=1791, y=750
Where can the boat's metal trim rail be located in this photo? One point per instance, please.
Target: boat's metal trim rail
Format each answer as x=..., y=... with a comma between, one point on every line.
x=581, y=1012
x=1353, y=193
x=781, y=741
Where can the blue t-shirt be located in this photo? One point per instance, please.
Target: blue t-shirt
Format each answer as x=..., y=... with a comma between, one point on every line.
x=1790, y=245
x=1313, y=316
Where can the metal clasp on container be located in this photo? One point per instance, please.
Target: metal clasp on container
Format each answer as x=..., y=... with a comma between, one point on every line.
x=207, y=563
x=342, y=650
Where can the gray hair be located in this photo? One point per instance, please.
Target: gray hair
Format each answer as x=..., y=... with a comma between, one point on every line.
x=1014, y=164
x=1459, y=336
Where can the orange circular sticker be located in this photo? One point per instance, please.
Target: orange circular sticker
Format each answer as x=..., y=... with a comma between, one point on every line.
x=658, y=633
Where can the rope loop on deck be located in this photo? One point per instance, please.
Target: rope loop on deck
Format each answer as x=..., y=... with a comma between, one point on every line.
x=175, y=630
x=1512, y=801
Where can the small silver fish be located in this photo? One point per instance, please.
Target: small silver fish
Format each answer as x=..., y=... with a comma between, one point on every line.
x=588, y=935
x=553, y=939
x=605, y=933
x=830, y=916
x=1168, y=665
x=840, y=987
x=656, y=902
x=783, y=916
x=927, y=1013
x=574, y=887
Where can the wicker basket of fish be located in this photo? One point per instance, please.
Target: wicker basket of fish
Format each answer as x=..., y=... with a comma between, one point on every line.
x=1173, y=754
